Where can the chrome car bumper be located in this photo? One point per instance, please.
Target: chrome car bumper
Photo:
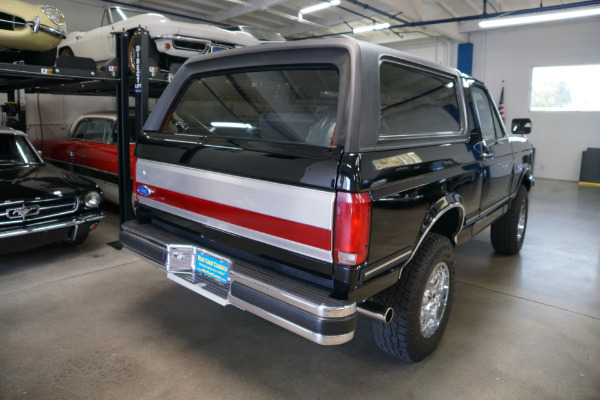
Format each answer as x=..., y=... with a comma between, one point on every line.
x=306, y=310
x=53, y=224
x=36, y=27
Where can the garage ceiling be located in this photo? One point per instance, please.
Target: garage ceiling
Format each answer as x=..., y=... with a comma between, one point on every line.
x=409, y=19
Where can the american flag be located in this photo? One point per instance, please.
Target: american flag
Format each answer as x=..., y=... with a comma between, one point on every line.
x=501, y=103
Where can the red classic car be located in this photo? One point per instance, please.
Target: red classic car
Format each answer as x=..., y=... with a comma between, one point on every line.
x=90, y=150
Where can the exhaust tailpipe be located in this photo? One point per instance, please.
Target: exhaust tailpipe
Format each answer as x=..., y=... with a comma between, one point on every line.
x=376, y=311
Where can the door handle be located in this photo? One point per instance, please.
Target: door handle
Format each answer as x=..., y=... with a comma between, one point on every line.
x=487, y=155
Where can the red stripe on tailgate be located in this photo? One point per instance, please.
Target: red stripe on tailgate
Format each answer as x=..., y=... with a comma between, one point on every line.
x=283, y=228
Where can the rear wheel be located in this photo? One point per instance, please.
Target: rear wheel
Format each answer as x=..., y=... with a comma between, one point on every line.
x=422, y=300
x=508, y=233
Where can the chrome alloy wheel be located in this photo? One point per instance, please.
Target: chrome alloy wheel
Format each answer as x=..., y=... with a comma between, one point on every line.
x=435, y=298
x=522, y=220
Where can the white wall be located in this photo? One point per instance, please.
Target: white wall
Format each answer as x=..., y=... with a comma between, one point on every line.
x=510, y=55
x=437, y=50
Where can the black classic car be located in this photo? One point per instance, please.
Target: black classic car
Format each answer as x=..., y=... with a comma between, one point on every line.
x=310, y=181
x=39, y=203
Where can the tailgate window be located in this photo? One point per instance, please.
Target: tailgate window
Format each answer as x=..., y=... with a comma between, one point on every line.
x=281, y=104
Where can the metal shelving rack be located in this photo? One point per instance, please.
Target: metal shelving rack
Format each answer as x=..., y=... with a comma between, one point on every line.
x=76, y=76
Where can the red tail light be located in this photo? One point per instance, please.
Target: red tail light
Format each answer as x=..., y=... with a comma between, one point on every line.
x=352, y=228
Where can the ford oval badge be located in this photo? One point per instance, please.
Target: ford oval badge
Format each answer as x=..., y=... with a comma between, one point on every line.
x=144, y=190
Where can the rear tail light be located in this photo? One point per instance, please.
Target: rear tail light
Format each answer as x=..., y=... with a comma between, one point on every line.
x=352, y=228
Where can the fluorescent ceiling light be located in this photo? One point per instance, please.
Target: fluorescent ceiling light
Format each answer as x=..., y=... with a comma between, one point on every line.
x=317, y=7
x=534, y=19
x=370, y=28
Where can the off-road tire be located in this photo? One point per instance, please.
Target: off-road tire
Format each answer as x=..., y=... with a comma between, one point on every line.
x=508, y=233
x=404, y=337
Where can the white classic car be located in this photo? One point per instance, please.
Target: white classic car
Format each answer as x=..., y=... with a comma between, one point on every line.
x=172, y=42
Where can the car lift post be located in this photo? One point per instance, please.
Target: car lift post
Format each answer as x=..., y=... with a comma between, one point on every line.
x=142, y=80
x=125, y=187
x=142, y=89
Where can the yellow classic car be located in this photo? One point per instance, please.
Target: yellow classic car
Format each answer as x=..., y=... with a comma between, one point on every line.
x=30, y=32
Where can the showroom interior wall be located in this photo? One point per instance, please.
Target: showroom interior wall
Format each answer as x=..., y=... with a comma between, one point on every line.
x=440, y=51
x=510, y=54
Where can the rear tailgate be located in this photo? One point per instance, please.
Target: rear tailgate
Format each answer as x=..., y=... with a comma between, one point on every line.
x=236, y=187
x=279, y=196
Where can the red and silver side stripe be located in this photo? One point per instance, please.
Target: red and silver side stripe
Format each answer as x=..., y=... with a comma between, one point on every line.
x=290, y=217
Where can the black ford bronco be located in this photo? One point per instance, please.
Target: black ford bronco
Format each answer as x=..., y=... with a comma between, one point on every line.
x=310, y=181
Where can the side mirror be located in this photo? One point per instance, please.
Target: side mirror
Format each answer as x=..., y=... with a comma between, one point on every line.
x=521, y=126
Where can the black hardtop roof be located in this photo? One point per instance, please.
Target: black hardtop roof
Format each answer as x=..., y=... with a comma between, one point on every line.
x=356, y=48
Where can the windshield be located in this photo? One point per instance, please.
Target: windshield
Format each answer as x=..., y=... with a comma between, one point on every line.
x=290, y=105
x=16, y=150
x=121, y=14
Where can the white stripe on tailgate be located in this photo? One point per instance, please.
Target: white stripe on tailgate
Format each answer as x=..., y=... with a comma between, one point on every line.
x=306, y=206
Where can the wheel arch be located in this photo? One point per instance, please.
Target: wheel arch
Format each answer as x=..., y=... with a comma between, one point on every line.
x=445, y=217
x=527, y=180
x=60, y=49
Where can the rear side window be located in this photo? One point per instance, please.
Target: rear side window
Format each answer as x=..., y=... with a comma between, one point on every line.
x=284, y=105
x=94, y=129
x=417, y=102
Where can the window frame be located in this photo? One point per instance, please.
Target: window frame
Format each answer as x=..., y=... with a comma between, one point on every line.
x=338, y=139
x=501, y=133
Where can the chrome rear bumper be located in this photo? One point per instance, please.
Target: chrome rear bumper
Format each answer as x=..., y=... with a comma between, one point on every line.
x=304, y=309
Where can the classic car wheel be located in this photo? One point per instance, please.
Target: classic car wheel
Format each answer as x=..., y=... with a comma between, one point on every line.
x=80, y=238
x=422, y=300
x=43, y=58
x=508, y=233
x=66, y=51
x=134, y=41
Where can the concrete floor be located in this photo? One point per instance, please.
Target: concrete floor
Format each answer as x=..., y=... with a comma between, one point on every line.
x=91, y=322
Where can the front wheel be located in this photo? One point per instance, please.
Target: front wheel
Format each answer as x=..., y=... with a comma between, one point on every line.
x=80, y=237
x=508, y=233
x=152, y=50
x=422, y=300
x=66, y=52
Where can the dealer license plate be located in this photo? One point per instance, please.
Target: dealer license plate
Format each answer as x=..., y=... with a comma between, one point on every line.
x=213, y=267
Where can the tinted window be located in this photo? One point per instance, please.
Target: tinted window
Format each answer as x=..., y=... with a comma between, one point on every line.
x=80, y=130
x=15, y=149
x=488, y=121
x=290, y=105
x=131, y=128
x=415, y=102
x=96, y=129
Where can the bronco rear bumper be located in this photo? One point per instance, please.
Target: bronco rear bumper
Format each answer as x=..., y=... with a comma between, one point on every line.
x=304, y=309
